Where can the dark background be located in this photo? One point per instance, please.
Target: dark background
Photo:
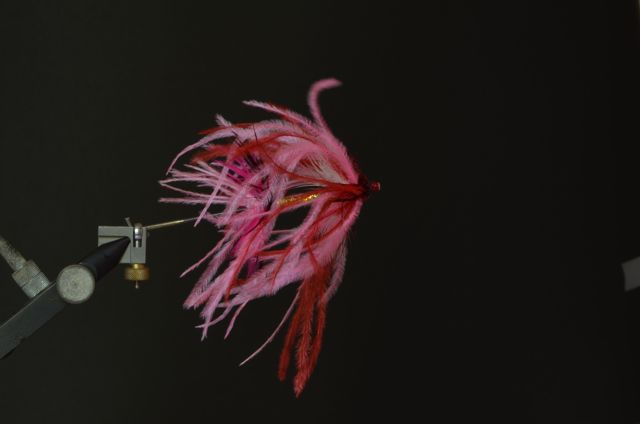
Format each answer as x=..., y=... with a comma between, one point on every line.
x=483, y=282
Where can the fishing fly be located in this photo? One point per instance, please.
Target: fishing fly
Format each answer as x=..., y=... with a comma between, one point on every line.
x=244, y=177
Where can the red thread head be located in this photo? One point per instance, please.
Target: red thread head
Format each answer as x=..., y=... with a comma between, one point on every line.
x=367, y=187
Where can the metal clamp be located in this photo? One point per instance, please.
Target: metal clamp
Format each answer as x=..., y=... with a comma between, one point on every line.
x=136, y=254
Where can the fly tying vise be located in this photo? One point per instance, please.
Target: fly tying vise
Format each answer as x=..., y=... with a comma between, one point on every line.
x=75, y=283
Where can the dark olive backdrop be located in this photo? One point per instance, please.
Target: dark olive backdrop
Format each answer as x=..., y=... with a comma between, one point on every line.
x=483, y=282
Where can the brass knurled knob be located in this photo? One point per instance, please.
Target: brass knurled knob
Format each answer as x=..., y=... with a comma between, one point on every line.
x=136, y=272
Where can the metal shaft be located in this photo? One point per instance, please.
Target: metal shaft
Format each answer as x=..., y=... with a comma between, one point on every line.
x=15, y=260
x=169, y=224
x=25, y=273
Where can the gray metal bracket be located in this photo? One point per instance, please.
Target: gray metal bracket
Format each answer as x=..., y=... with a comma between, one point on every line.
x=631, y=271
x=136, y=253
